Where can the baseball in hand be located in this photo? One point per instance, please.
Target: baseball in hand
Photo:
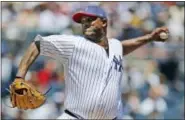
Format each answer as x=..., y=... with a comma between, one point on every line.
x=163, y=35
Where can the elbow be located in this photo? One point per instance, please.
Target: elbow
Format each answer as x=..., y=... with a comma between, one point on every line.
x=37, y=44
x=33, y=49
x=125, y=52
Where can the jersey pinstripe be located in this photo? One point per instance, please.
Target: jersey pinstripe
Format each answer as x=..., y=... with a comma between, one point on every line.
x=92, y=78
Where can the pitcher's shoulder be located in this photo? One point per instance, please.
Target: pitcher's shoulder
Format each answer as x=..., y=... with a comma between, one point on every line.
x=74, y=37
x=114, y=41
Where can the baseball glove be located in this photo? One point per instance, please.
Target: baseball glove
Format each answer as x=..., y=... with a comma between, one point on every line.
x=25, y=96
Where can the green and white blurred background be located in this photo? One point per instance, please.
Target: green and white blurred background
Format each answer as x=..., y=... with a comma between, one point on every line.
x=153, y=80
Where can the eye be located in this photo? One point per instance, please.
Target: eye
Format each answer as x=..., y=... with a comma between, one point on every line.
x=90, y=19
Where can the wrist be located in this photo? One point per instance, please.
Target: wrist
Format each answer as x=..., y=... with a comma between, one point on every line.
x=19, y=75
x=149, y=38
x=18, y=78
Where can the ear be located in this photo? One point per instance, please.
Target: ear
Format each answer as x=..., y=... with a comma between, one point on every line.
x=104, y=23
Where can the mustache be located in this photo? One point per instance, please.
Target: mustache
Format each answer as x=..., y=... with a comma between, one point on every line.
x=93, y=29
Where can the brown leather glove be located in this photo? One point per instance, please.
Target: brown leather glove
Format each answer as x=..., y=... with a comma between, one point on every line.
x=24, y=95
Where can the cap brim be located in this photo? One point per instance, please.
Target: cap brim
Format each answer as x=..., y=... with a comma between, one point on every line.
x=78, y=16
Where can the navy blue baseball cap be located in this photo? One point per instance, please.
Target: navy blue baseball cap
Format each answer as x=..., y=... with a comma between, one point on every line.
x=90, y=11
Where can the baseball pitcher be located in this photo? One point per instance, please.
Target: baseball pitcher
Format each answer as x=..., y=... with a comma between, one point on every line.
x=93, y=67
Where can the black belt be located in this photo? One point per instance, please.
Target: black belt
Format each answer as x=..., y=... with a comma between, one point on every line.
x=76, y=116
x=72, y=114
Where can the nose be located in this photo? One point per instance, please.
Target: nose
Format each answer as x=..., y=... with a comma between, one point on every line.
x=97, y=22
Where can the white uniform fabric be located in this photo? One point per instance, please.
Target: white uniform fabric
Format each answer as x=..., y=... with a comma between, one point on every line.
x=92, y=78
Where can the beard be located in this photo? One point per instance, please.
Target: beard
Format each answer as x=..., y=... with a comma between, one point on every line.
x=94, y=34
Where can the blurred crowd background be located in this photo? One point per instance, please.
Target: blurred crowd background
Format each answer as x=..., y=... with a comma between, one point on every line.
x=153, y=80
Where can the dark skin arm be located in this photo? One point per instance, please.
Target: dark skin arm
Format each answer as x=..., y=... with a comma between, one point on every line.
x=29, y=57
x=132, y=44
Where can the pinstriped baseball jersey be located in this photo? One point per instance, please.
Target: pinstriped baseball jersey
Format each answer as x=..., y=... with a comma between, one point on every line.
x=92, y=77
